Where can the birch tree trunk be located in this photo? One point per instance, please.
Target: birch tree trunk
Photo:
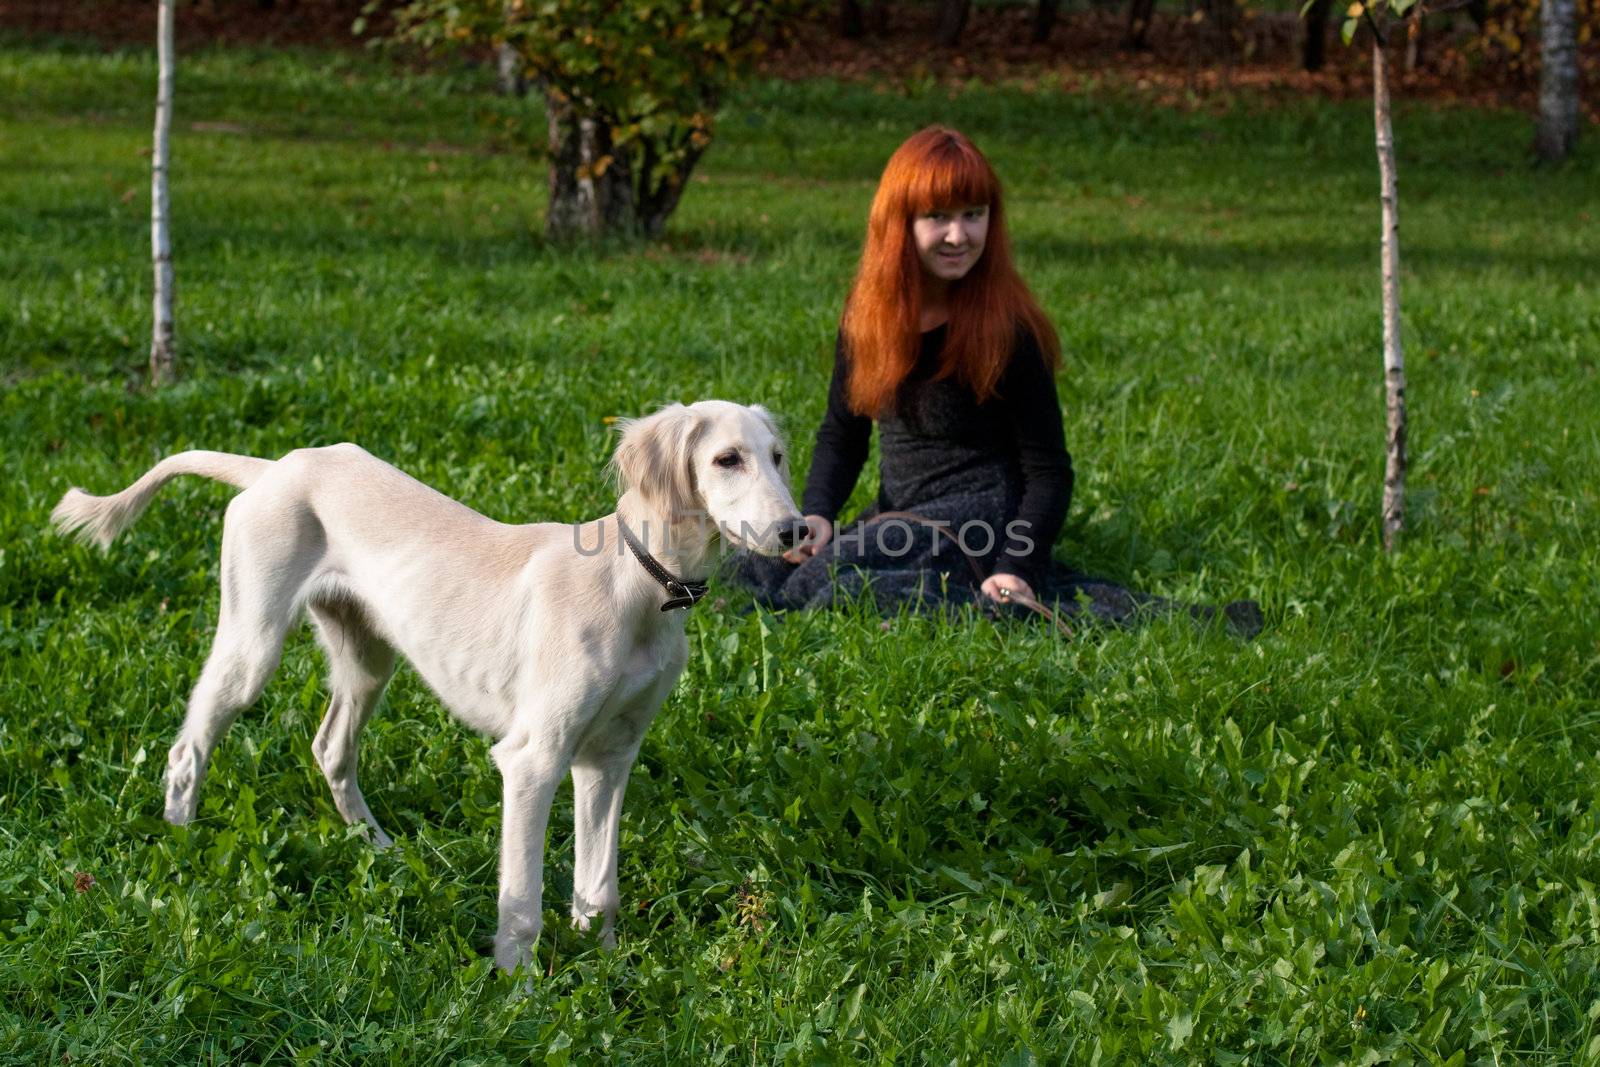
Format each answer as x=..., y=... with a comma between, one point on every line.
x=1558, y=79
x=508, y=71
x=1394, y=371
x=598, y=190
x=163, y=355
x=591, y=190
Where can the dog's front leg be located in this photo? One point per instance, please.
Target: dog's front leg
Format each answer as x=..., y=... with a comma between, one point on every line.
x=530, y=771
x=600, y=770
x=597, y=789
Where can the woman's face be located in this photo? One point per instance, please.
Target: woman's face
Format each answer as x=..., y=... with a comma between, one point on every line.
x=950, y=240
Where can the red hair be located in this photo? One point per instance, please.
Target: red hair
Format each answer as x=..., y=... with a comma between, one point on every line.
x=935, y=168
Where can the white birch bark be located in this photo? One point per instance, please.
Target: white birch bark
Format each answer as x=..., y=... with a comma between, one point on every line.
x=163, y=357
x=1558, y=79
x=574, y=209
x=1394, y=371
x=508, y=71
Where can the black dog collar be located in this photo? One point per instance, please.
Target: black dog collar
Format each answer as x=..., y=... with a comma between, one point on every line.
x=681, y=594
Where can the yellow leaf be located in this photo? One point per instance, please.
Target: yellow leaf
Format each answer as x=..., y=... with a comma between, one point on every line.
x=1355, y=10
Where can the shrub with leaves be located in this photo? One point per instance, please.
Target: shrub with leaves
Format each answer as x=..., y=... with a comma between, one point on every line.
x=1510, y=34
x=630, y=88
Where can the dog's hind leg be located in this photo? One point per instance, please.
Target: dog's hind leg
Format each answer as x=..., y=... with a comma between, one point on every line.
x=360, y=665
x=262, y=574
x=243, y=657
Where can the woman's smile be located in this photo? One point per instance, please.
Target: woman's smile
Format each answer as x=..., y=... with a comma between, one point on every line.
x=950, y=240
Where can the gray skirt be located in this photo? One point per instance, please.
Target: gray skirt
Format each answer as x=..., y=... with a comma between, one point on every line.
x=898, y=563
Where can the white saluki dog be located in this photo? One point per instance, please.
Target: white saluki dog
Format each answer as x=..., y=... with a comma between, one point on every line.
x=551, y=638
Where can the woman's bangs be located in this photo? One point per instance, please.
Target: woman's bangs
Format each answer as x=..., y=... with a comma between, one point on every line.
x=951, y=177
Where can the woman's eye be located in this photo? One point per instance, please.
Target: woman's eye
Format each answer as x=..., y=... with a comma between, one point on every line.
x=728, y=460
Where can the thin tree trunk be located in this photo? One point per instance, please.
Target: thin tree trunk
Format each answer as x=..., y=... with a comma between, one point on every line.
x=877, y=15
x=1222, y=19
x=1044, y=20
x=1394, y=371
x=852, y=26
x=1140, y=12
x=952, y=20
x=1314, y=52
x=657, y=205
x=163, y=353
x=1558, y=79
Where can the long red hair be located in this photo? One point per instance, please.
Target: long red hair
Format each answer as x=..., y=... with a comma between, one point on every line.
x=935, y=168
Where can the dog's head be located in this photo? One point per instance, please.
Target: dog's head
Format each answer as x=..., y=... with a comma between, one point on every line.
x=713, y=462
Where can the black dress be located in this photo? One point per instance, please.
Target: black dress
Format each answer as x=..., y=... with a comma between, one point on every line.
x=995, y=474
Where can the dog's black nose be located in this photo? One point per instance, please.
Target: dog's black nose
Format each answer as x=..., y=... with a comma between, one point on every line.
x=793, y=532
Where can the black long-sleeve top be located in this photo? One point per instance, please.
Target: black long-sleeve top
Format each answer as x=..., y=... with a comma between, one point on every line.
x=936, y=440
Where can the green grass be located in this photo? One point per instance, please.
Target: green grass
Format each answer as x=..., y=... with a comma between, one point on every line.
x=1372, y=835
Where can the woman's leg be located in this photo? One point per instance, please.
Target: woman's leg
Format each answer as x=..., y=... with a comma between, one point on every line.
x=763, y=576
x=1077, y=594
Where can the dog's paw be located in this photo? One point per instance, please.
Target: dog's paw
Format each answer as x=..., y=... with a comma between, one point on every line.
x=513, y=950
x=183, y=786
x=584, y=922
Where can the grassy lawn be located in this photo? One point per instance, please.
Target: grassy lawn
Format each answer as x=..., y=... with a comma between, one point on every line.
x=1372, y=835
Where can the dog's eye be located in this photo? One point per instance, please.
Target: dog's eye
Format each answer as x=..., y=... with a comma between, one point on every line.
x=728, y=460
x=777, y=459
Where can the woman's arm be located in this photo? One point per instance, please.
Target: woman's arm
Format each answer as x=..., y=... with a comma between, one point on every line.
x=1028, y=388
x=841, y=449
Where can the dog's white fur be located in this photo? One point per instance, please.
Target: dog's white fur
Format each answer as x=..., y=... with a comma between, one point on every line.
x=559, y=651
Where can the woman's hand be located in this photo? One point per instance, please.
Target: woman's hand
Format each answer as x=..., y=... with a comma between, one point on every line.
x=821, y=533
x=1005, y=588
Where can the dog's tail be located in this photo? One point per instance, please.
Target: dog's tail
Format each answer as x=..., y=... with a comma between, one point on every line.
x=99, y=519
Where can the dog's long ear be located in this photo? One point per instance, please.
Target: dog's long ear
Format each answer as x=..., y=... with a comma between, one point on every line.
x=766, y=416
x=772, y=424
x=654, y=457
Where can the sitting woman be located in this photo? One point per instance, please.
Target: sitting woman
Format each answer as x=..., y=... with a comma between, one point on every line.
x=943, y=346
